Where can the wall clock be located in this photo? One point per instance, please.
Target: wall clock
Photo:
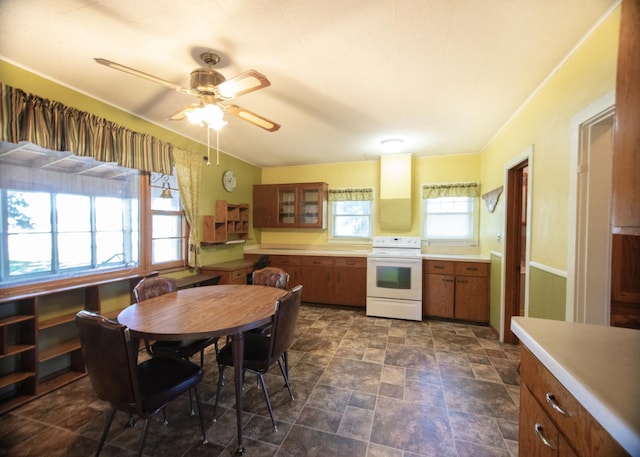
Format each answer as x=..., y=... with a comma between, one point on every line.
x=229, y=181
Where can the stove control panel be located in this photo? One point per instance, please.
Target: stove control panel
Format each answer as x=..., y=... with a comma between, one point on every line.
x=402, y=242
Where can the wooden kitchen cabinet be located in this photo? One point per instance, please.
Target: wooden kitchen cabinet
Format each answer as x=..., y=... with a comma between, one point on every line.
x=297, y=205
x=626, y=140
x=351, y=281
x=233, y=272
x=334, y=280
x=230, y=222
x=571, y=433
x=317, y=280
x=458, y=290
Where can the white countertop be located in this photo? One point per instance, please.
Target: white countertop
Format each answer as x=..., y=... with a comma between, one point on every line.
x=357, y=253
x=599, y=365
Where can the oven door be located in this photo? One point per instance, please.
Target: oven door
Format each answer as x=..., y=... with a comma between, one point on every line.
x=394, y=277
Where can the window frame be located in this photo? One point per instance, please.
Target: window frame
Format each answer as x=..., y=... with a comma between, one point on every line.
x=451, y=241
x=333, y=238
x=89, y=275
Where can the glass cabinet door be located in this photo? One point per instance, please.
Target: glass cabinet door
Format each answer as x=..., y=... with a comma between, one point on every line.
x=309, y=206
x=287, y=206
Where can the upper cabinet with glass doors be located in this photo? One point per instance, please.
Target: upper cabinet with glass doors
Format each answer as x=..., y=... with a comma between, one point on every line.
x=301, y=205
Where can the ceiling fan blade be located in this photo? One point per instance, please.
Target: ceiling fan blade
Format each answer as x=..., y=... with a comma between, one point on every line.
x=252, y=117
x=182, y=114
x=243, y=83
x=141, y=74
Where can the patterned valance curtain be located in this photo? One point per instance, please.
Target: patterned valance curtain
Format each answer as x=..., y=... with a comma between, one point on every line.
x=189, y=171
x=363, y=194
x=52, y=125
x=459, y=189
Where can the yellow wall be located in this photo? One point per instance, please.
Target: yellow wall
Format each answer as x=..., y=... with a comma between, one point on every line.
x=545, y=123
x=461, y=167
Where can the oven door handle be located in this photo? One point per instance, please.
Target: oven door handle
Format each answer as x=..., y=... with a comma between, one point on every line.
x=395, y=260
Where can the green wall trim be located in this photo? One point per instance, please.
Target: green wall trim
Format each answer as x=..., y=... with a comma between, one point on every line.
x=495, y=291
x=547, y=294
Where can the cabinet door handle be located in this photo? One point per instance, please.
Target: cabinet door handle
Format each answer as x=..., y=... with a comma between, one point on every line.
x=538, y=429
x=447, y=280
x=438, y=267
x=551, y=399
x=472, y=268
x=463, y=281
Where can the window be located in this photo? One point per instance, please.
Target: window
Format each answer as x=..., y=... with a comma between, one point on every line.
x=450, y=214
x=63, y=215
x=351, y=216
x=168, y=224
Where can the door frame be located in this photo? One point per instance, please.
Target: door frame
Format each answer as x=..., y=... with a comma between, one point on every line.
x=506, y=313
x=593, y=114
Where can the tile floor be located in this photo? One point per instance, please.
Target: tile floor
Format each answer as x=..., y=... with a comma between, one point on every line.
x=364, y=387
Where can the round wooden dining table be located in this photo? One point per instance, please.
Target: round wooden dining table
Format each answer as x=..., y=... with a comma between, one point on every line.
x=204, y=312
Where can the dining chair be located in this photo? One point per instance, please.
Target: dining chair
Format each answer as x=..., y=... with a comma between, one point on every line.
x=263, y=351
x=144, y=389
x=271, y=277
x=153, y=287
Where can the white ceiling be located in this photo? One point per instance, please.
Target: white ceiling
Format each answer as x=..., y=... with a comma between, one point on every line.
x=444, y=75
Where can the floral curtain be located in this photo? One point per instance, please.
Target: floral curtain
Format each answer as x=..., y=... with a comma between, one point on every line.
x=52, y=125
x=461, y=189
x=189, y=171
x=363, y=194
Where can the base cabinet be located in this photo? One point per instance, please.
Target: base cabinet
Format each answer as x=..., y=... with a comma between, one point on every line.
x=456, y=290
x=546, y=431
x=327, y=279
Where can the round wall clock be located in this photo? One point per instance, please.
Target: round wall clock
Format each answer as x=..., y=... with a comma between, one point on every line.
x=229, y=181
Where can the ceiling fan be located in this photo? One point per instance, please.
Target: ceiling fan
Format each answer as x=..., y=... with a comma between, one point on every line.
x=214, y=92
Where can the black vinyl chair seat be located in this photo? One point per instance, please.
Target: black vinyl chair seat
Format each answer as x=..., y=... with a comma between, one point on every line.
x=144, y=389
x=261, y=351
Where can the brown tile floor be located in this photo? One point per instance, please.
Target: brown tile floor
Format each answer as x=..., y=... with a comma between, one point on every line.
x=364, y=387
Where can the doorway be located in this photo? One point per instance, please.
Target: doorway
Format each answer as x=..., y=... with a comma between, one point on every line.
x=516, y=244
x=589, y=275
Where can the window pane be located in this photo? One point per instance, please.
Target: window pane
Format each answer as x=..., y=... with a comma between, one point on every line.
x=167, y=250
x=29, y=211
x=352, y=226
x=108, y=214
x=74, y=250
x=351, y=219
x=449, y=218
x=29, y=253
x=29, y=232
x=165, y=204
x=165, y=226
x=74, y=213
x=109, y=248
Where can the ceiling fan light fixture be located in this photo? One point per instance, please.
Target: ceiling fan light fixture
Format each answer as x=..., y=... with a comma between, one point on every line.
x=210, y=114
x=392, y=145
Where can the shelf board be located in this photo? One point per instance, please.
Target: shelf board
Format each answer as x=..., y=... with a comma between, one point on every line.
x=17, y=349
x=15, y=377
x=64, y=319
x=15, y=319
x=58, y=350
x=59, y=380
x=14, y=402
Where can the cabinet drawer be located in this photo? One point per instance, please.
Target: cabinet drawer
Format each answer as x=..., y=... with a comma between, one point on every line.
x=317, y=261
x=542, y=384
x=350, y=262
x=439, y=267
x=285, y=260
x=537, y=434
x=239, y=276
x=472, y=269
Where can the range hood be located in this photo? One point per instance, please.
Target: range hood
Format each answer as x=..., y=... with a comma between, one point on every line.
x=395, y=192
